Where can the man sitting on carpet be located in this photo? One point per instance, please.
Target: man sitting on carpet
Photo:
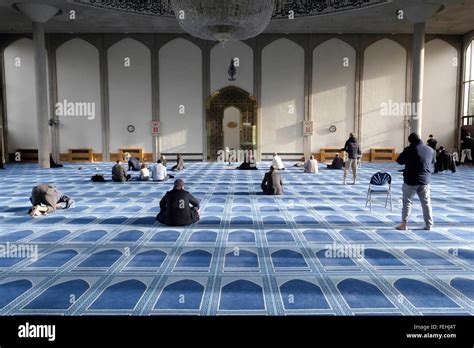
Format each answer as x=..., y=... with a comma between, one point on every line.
x=159, y=172
x=311, y=166
x=119, y=173
x=178, y=207
x=46, y=199
x=277, y=163
x=337, y=162
x=271, y=183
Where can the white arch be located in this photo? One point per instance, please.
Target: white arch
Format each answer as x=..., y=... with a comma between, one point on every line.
x=384, y=95
x=20, y=95
x=78, y=82
x=282, y=99
x=181, y=101
x=130, y=96
x=333, y=93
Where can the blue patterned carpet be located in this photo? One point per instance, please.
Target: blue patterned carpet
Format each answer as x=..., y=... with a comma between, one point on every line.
x=250, y=254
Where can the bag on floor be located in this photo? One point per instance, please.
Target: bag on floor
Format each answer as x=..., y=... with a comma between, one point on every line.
x=97, y=178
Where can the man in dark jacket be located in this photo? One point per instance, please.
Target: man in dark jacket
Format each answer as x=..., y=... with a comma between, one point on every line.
x=46, y=199
x=432, y=142
x=419, y=160
x=178, y=207
x=444, y=161
x=272, y=183
x=337, y=162
x=467, y=146
x=353, y=152
x=119, y=173
x=134, y=164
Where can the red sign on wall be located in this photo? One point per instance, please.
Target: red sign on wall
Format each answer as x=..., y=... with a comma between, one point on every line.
x=308, y=128
x=155, y=128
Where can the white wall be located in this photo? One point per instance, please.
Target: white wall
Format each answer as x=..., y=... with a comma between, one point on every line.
x=231, y=135
x=78, y=77
x=384, y=80
x=439, y=95
x=333, y=96
x=181, y=85
x=282, y=92
x=130, y=95
x=221, y=56
x=21, y=96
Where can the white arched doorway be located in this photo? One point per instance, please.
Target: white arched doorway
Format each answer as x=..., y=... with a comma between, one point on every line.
x=231, y=128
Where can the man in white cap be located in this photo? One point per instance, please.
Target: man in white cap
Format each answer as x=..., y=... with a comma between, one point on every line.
x=277, y=163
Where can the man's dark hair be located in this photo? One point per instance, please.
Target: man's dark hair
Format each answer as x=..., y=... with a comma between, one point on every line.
x=430, y=136
x=159, y=161
x=441, y=148
x=178, y=184
x=414, y=138
x=118, y=161
x=272, y=169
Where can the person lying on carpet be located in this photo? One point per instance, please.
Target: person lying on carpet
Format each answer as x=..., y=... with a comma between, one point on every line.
x=272, y=183
x=119, y=173
x=337, y=162
x=179, y=164
x=248, y=165
x=300, y=163
x=46, y=199
x=178, y=207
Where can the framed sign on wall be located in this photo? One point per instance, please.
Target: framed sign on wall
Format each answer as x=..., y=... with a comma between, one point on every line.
x=308, y=128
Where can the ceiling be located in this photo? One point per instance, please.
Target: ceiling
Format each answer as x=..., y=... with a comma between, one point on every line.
x=456, y=18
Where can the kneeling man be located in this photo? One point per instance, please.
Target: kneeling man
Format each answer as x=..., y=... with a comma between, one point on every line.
x=46, y=199
x=178, y=207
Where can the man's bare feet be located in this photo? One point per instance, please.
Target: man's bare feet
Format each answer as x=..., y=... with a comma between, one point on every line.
x=427, y=228
x=35, y=211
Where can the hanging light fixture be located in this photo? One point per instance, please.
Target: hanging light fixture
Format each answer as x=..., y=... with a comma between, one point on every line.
x=223, y=20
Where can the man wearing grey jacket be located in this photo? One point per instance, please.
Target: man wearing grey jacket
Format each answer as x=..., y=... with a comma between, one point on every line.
x=46, y=199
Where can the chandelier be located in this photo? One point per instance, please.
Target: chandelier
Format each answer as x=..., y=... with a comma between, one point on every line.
x=223, y=20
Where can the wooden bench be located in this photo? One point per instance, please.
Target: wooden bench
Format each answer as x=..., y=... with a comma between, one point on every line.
x=382, y=155
x=80, y=155
x=134, y=152
x=328, y=154
x=28, y=155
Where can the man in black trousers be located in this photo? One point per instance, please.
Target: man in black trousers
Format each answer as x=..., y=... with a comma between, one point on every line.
x=178, y=207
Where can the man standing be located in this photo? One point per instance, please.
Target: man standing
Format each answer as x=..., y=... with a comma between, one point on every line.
x=353, y=151
x=432, y=142
x=466, y=147
x=419, y=160
x=178, y=207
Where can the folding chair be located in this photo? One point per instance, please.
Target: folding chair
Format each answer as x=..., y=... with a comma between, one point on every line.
x=380, y=184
